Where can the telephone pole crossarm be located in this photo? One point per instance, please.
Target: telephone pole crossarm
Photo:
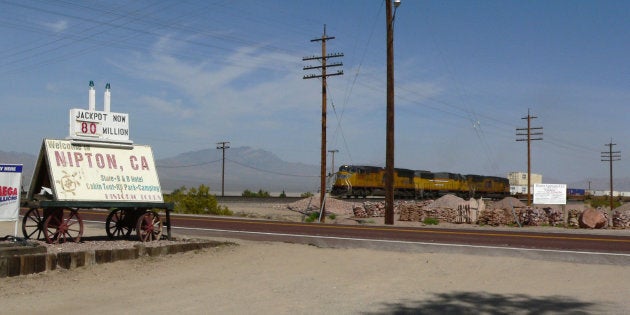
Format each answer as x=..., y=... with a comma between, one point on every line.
x=222, y=146
x=323, y=75
x=611, y=156
x=527, y=133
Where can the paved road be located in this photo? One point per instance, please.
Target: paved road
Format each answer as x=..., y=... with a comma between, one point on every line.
x=563, y=246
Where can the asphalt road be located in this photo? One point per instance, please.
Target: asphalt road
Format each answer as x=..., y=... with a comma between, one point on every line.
x=583, y=247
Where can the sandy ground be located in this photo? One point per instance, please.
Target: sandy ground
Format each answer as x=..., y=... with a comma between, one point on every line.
x=279, y=278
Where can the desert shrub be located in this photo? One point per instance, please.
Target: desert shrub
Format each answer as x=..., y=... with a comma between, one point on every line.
x=604, y=202
x=431, y=221
x=196, y=201
x=260, y=194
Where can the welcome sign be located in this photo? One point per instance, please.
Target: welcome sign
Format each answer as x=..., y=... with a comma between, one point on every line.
x=93, y=173
x=10, y=181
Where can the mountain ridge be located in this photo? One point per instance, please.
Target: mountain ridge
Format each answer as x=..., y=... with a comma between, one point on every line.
x=252, y=169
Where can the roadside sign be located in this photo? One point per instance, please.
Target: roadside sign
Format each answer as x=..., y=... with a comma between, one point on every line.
x=550, y=194
x=96, y=173
x=10, y=182
x=93, y=125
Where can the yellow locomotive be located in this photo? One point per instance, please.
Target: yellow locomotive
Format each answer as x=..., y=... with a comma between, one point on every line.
x=362, y=181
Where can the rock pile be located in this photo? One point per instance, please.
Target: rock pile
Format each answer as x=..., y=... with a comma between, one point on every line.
x=621, y=216
x=537, y=217
x=496, y=217
x=333, y=205
x=448, y=208
x=453, y=209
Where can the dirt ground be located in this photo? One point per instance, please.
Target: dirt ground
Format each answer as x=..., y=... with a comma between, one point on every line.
x=279, y=278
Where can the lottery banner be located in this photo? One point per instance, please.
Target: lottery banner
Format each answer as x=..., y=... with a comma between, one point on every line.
x=10, y=181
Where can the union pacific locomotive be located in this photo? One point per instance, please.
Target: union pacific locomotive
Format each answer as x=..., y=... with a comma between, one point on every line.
x=363, y=181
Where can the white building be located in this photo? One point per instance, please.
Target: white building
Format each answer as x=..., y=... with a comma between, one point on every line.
x=518, y=182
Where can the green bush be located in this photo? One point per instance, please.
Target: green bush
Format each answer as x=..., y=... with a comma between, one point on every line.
x=312, y=217
x=306, y=194
x=431, y=221
x=196, y=201
x=260, y=194
x=604, y=202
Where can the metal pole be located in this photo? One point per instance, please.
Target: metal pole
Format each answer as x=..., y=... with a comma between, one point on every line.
x=332, y=167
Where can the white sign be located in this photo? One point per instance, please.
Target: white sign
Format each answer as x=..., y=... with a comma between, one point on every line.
x=93, y=173
x=10, y=181
x=550, y=194
x=99, y=125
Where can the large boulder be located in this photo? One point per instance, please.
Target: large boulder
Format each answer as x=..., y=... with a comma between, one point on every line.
x=592, y=219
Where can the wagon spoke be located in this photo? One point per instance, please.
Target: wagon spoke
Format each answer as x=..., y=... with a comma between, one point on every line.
x=118, y=224
x=32, y=222
x=63, y=225
x=149, y=226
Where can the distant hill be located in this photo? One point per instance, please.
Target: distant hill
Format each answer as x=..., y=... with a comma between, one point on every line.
x=245, y=168
x=253, y=169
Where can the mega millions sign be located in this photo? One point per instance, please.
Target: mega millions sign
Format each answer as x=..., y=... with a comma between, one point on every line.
x=10, y=181
x=99, y=125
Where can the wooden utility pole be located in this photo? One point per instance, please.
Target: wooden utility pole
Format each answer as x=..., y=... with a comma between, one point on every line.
x=390, y=12
x=323, y=58
x=529, y=139
x=222, y=146
x=611, y=156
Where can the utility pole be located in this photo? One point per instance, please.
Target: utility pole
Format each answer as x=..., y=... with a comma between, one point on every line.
x=390, y=14
x=611, y=156
x=222, y=146
x=323, y=58
x=332, y=168
x=529, y=139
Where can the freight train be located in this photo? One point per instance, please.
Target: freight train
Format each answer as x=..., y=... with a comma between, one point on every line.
x=363, y=181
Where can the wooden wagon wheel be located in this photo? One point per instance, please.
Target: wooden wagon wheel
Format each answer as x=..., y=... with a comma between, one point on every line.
x=33, y=222
x=118, y=224
x=149, y=226
x=63, y=225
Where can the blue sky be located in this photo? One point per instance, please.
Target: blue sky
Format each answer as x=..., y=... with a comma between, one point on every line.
x=194, y=73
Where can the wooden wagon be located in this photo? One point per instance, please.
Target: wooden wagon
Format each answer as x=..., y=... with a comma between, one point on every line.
x=60, y=221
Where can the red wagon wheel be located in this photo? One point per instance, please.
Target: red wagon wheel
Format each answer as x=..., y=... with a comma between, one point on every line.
x=149, y=226
x=33, y=222
x=63, y=225
x=118, y=224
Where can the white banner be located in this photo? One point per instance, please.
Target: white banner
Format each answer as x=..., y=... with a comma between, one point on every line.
x=92, y=173
x=550, y=194
x=10, y=181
